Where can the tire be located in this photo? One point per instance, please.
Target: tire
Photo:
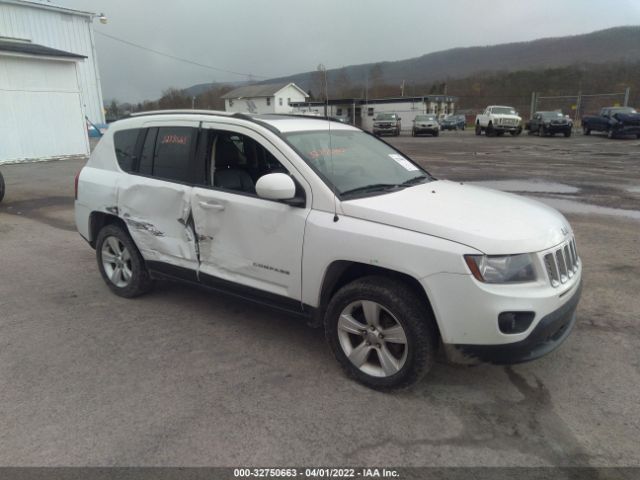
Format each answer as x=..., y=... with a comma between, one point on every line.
x=541, y=132
x=1, y=187
x=499, y=134
x=586, y=131
x=516, y=132
x=436, y=133
x=490, y=131
x=611, y=134
x=399, y=307
x=413, y=132
x=133, y=279
x=478, y=129
x=567, y=134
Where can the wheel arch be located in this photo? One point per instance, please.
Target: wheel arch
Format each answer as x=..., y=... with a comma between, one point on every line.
x=341, y=272
x=99, y=220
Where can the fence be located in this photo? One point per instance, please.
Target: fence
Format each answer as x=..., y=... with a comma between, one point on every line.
x=580, y=104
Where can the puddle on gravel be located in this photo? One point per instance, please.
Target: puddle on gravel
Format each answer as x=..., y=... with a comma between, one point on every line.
x=633, y=189
x=533, y=186
x=572, y=206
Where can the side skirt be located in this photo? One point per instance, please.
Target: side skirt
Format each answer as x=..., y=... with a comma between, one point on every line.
x=161, y=270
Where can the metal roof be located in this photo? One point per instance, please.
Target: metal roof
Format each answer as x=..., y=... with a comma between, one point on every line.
x=260, y=90
x=28, y=48
x=49, y=6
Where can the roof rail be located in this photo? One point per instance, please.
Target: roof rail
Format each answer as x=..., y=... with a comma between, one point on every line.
x=181, y=111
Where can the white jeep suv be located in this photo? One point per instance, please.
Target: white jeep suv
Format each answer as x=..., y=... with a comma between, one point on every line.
x=326, y=221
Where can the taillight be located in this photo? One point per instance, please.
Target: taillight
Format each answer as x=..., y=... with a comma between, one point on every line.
x=76, y=184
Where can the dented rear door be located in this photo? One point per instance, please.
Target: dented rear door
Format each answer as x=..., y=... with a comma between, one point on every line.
x=156, y=202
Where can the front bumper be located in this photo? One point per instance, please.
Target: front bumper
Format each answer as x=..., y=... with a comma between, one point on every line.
x=627, y=130
x=507, y=128
x=432, y=129
x=558, y=128
x=549, y=333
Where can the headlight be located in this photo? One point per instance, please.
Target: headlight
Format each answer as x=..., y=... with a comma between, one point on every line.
x=501, y=268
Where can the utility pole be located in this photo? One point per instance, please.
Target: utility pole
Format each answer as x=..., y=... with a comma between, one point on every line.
x=193, y=103
x=534, y=101
x=626, y=96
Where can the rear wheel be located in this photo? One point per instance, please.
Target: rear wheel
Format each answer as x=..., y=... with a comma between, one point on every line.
x=120, y=263
x=381, y=333
x=586, y=131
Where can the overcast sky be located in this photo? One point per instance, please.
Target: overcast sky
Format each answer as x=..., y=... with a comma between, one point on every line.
x=268, y=38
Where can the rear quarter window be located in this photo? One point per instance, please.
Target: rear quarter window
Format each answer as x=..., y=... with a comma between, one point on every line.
x=124, y=142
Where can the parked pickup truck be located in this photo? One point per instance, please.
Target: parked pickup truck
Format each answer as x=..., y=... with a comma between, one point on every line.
x=615, y=121
x=387, y=123
x=497, y=119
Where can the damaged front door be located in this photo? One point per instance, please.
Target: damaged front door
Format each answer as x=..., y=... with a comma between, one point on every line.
x=243, y=239
x=156, y=203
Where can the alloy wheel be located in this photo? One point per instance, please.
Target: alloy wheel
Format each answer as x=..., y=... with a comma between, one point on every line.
x=372, y=338
x=116, y=261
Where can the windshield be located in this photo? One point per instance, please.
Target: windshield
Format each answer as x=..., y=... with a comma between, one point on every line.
x=422, y=118
x=503, y=110
x=356, y=163
x=552, y=115
x=386, y=116
x=623, y=110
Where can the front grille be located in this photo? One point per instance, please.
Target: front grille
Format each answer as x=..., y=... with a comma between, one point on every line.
x=508, y=121
x=562, y=263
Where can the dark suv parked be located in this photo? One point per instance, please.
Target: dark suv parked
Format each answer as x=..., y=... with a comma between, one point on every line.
x=550, y=123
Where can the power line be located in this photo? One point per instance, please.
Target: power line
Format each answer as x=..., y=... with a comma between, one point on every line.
x=174, y=57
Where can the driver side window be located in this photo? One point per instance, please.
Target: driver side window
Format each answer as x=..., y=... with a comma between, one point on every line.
x=235, y=161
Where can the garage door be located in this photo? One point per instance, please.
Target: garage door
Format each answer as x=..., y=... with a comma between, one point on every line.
x=40, y=110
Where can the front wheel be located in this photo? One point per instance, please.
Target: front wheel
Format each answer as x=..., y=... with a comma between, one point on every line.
x=381, y=333
x=567, y=133
x=120, y=263
x=478, y=129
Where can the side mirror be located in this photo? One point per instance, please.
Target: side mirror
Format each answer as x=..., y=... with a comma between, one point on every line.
x=276, y=186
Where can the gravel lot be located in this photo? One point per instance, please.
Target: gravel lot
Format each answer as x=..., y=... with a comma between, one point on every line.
x=188, y=377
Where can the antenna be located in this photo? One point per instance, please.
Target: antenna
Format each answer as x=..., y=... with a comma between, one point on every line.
x=326, y=108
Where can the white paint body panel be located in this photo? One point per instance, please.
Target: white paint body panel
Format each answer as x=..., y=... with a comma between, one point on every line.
x=496, y=223
x=413, y=231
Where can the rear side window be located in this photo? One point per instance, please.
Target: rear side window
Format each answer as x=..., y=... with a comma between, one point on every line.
x=125, y=146
x=173, y=152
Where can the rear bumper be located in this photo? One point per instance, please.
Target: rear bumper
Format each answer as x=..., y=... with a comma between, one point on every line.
x=549, y=333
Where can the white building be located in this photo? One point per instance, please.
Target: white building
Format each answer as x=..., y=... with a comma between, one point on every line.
x=264, y=98
x=49, y=81
x=361, y=112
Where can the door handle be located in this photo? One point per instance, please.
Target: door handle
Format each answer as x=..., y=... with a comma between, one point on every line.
x=211, y=206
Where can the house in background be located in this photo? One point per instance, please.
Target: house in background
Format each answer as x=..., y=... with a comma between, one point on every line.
x=264, y=98
x=49, y=81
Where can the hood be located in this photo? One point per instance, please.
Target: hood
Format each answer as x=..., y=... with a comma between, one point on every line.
x=496, y=223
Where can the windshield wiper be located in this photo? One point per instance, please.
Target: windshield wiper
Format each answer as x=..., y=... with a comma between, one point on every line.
x=415, y=180
x=373, y=188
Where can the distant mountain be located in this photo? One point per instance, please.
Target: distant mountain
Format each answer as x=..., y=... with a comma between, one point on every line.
x=201, y=88
x=619, y=44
